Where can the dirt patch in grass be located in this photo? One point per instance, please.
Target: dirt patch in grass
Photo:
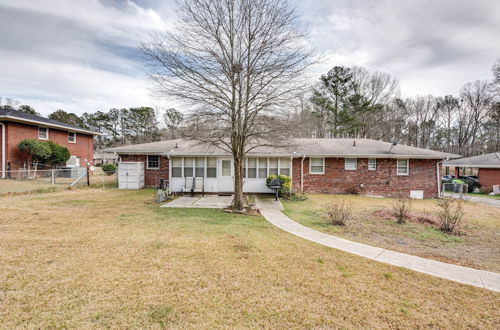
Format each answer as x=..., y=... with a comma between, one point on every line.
x=373, y=223
x=113, y=259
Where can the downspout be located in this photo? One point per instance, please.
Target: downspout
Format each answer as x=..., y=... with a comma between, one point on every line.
x=302, y=174
x=4, y=150
x=438, y=179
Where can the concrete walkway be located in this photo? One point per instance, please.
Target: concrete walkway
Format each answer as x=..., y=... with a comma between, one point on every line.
x=207, y=202
x=484, y=200
x=271, y=211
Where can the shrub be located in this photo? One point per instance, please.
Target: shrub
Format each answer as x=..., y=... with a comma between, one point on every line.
x=401, y=207
x=450, y=214
x=297, y=197
x=285, y=181
x=486, y=190
x=109, y=168
x=353, y=190
x=338, y=211
x=59, y=155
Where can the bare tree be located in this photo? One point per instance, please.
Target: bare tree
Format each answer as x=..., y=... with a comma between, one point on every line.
x=235, y=62
x=477, y=101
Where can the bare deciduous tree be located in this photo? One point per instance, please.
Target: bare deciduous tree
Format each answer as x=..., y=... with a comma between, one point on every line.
x=235, y=62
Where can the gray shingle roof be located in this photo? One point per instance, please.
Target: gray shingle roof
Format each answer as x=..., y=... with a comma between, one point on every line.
x=486, y=161
x=22, y=116
x=297, y=147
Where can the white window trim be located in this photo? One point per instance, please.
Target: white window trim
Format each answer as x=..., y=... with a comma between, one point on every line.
x=152, y=168
x=69, y=135
x=407, y=167
x=368, y=164
x=355, y=164
x=38, y=132
x=310, y=165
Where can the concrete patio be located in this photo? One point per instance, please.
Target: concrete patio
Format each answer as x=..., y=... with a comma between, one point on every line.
x=207, y=202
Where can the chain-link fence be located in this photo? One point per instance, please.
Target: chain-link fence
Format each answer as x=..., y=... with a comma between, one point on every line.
x=29, y=180
x=458, y=190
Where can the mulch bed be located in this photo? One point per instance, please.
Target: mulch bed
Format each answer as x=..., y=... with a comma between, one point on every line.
x=413, y=217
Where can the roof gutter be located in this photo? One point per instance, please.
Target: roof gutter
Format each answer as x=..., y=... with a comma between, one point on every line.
x=4, y=149
x=41, y=123
x=476, y=166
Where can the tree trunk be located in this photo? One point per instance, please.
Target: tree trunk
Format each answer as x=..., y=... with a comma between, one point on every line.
x=238, y=184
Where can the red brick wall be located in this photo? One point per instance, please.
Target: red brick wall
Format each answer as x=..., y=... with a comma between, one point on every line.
x=16, y=132
x=382, y=182
x=151, y=177
x=489, y=177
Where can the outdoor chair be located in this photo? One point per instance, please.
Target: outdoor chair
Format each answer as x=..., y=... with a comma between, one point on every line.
x=193, y=185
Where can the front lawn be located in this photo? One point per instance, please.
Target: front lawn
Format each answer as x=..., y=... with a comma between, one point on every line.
x=91, y=258
x=476, y=245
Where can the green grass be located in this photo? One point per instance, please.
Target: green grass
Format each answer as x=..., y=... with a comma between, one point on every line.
x=93, y=258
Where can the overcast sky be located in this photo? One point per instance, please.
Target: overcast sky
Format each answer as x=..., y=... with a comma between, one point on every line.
x=82, y=56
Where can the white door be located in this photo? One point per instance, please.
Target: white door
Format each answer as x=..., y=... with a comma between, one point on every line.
x=225, y=182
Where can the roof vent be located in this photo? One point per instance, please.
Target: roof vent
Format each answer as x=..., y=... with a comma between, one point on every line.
x=176, y=145
x=354, y=143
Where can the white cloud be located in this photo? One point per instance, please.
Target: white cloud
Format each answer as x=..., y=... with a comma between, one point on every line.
x=82, y=55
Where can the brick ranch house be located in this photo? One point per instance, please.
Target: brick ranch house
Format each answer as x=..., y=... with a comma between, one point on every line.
x=315, y=165
x=488, y=168
x=16, y=126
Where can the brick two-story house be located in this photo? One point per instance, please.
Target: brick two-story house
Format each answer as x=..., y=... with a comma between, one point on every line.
x=16, y=126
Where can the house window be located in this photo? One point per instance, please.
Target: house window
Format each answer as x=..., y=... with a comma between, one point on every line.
x=372, y=164
x=176, y=167
x=317, y=166
x=252, y=168
x=71, y=137
x=262, y=168
x=402, y=167
x=43, y=133
x=188, y=167
x=226, y=167
x=211, y=167
x=153, y=162
x=351, y=164
x=285, y=166
x=273, y=166
x=200, y=167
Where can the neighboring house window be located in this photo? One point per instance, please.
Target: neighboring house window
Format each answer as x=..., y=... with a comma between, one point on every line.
x=71, y=137
x=273, y=166
x=285, y=166
x=153, y=162
x=211, y=167
x=351, y=164
x=200, y=167
x=403, y=167
x=177, y=167
x=43, y=133
x=372, y=164
x=262, y=168
x=252, y=168
x=317, y=166
x=188, y=167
